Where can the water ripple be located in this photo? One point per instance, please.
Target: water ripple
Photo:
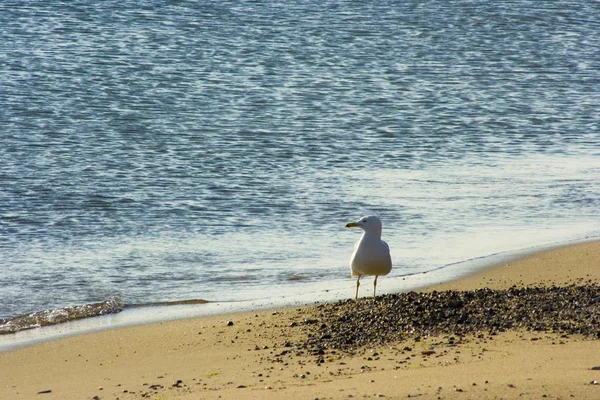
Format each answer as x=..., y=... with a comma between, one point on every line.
x=159, y=150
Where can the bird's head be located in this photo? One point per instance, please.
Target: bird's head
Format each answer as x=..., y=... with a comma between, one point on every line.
x=370, y=224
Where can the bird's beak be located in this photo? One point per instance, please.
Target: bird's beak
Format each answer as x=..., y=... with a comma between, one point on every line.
x=352, y=225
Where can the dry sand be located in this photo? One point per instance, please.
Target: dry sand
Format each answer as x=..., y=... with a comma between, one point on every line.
x=244, y=356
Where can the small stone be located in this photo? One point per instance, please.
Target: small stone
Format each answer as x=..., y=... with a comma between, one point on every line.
x=229, y=323
x=349, y=326
x=241, y=387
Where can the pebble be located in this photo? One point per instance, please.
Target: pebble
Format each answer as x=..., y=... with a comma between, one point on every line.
x=350, y=325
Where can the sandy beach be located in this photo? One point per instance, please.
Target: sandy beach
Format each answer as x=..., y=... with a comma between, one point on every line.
x=256, y=355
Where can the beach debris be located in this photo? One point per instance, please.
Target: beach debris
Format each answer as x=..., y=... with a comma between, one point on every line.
x=595, y=368
x=229, y=323
x=177, y=383
x=44, y=391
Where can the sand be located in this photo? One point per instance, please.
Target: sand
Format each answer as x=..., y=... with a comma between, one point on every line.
x=244, y=356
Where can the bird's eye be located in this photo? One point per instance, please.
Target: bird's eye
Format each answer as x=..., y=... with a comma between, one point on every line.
x=365, y=220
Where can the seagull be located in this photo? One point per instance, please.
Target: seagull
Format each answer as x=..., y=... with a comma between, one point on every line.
x=371, y=254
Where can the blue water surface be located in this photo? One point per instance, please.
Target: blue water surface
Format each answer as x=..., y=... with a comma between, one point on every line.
x=169, y=150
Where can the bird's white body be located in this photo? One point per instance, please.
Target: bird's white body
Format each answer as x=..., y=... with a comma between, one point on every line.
x=371, y=257
x=371, y=254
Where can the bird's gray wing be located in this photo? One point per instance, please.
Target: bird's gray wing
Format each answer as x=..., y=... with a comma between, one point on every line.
x=386, y=246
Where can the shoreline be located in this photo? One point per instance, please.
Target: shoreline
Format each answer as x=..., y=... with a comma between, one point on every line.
x=444, y=276
x=255, y=354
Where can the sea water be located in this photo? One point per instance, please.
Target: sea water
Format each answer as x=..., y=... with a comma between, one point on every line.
x=172, y=151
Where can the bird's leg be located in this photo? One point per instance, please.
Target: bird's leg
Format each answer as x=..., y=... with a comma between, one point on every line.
x=375, y=285
x=357, y=285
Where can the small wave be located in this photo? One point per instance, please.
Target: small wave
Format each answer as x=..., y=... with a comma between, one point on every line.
x=170, y=303
x=61, y=315
x=58, y=316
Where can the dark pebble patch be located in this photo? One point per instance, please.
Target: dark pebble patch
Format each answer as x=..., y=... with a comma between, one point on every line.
x=349, y=326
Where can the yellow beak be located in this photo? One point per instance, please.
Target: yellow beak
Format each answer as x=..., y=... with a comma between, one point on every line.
x=352, y=225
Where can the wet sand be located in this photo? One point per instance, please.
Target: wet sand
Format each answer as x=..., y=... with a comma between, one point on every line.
x=291, y=353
